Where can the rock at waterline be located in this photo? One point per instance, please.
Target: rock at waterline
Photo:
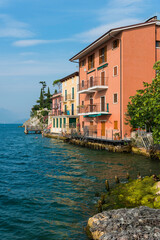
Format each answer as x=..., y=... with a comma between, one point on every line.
x=125, y=224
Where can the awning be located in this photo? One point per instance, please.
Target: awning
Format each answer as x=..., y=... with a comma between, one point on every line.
x=94, y=115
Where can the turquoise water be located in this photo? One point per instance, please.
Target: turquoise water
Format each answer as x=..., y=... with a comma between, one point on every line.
x=48, y=188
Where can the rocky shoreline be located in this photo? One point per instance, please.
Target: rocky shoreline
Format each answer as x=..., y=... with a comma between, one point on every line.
x=125, y=224
x=133, y=211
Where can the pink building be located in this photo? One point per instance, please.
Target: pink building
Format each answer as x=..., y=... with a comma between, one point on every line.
x=56, y=107
x=111, y=69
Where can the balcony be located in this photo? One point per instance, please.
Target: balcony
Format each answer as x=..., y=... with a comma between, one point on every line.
x=94, y=110
x=55, y=113
x=93, y=84
x=68, y=97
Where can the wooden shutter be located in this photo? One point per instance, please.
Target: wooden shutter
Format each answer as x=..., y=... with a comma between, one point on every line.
x=105, y=54
x=89, y=62
x=100, y=56
x=115, y=124
x=115, y=71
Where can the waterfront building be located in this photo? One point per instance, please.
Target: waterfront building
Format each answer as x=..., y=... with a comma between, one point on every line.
x=111, y=69
x=64, y=115
x=56, y=111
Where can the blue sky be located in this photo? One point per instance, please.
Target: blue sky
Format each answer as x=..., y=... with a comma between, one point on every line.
x=38, y=37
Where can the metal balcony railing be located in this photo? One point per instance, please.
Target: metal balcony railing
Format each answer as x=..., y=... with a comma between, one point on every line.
x=90, y=108
x=93, y=82
x=68, y=97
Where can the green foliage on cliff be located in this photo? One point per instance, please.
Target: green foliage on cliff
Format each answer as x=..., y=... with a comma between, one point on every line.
x=44, y=100
x=143, y=110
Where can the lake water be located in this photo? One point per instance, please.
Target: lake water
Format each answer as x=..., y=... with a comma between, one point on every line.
x=48, y=188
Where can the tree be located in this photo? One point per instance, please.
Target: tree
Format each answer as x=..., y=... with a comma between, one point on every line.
x=41, y=99
x=48, y=100
x=57, y=83
x=143, y=110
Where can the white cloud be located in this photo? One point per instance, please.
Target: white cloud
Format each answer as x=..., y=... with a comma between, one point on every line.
x=10, y=27
x=94, y=33
x=13, y=68
x=116, y=13
x=34, y=42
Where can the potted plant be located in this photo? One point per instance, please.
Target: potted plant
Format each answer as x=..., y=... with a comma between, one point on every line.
x=117, y=136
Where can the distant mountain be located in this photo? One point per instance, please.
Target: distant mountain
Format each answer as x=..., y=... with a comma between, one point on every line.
x=7, y=116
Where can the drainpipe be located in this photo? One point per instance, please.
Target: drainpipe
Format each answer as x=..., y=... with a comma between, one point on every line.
x=120, y=83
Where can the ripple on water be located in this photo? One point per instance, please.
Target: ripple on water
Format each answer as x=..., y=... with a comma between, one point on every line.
x=48, y=187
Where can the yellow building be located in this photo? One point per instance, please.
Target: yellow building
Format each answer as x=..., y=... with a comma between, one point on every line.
x=68, y=119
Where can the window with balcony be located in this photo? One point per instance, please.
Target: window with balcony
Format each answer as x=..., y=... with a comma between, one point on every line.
x=102, y=55
x=72, y=109
x=158, y=44
x=72, y=92
x=115, y=43
x=65, y=108
x=115, y=98
x=115, y=71
x=103, y=104
x=91, y=61
x=103, y=78
x=65, y=96
x=91, y=82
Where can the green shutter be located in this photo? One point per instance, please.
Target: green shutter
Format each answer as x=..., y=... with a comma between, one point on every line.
x=53, y=122
x=72, y=93
x=64, y=122
x=60, y=122
x=57, y=122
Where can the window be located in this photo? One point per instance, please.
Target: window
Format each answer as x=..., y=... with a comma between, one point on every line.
x=65, y=95
x=72, y=92
x=53, y=122
x=83, y=63
x=83, y=124
x=72, y=109
x=82, y=103
x=115, y=98
x=115, y=124
x=91, y=61
x=65, y=108
x=102, y=55
x=82, y=83
x=57, y=122
x=115, y=71
x=60, y=122
x=115, y=44
x=158, y=44
x=64, y=122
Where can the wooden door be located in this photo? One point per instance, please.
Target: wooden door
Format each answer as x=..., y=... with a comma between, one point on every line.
x=102, y=129
x=91, y=81
x=91, y=104
x=102, y=78
x=102, y=104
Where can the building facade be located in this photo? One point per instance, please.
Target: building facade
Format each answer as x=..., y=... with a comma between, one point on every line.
x=64, y=117
x=111, y=69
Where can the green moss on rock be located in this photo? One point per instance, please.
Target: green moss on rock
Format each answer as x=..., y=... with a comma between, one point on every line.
x=140, y=192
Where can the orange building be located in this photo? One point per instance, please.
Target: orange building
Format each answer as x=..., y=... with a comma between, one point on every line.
x=111, y=69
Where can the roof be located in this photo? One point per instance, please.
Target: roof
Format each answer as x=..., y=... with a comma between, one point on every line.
x=55, y=95
x=69, y=76
x=105, y=37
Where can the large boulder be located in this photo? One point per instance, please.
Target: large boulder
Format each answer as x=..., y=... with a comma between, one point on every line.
x=125, y=224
